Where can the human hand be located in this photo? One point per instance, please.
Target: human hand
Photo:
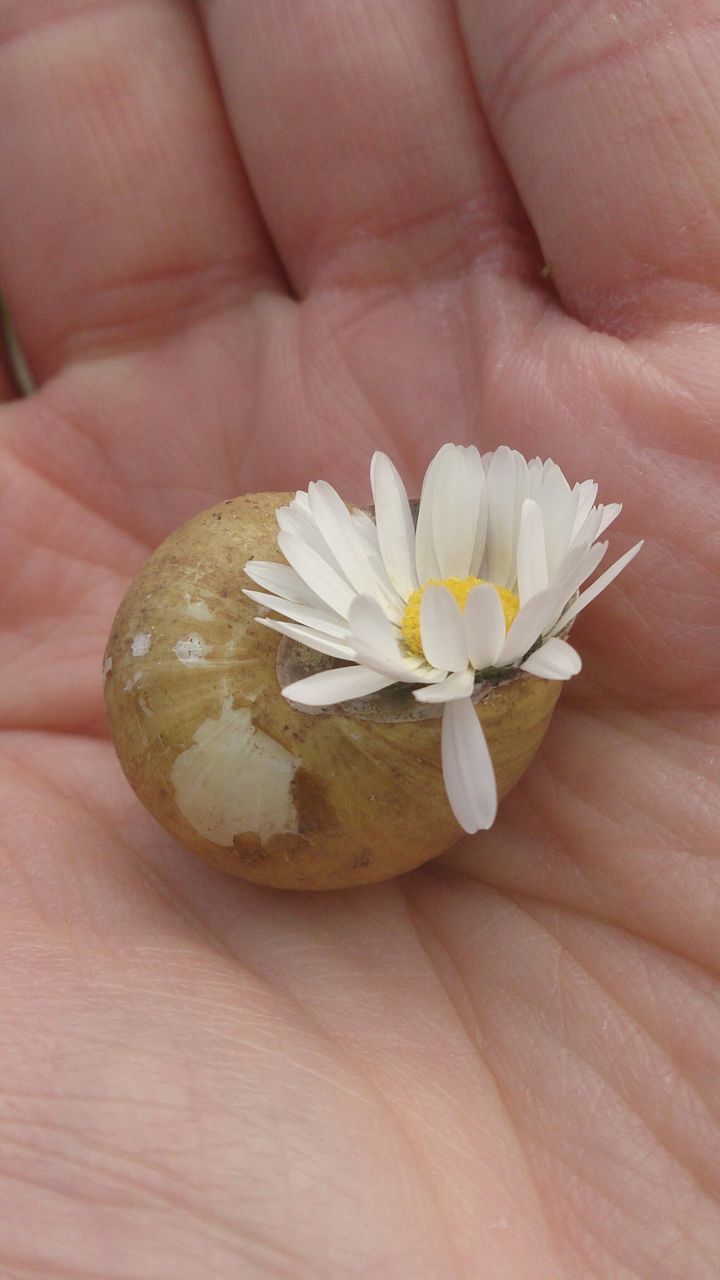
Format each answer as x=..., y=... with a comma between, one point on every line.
x=503, y=1065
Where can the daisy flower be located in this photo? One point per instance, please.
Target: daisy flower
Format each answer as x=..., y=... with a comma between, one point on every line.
x=484, y=583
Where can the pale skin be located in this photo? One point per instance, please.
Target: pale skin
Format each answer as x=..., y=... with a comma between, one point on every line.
x=246, y=243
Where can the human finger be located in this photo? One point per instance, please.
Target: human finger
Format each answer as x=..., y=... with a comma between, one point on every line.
x=361, y=134
x=608, y=117
x=125, y=210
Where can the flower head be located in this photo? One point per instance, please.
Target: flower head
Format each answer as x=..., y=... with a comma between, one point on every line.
x=484, y=583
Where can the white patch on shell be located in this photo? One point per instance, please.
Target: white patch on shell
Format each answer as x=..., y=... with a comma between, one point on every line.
x=107, y=667
x=234, y=779
x=198, y=609
x=191, y=650
x=141, y=644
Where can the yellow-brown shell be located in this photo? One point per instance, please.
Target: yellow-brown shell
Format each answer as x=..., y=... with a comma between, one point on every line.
x=277, y=795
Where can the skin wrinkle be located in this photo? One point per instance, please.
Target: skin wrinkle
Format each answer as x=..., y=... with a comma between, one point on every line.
x=105, y=91
x=664, y=380
x=214, y=1224
x=80, y=558
x=304, y=1014
x=557, y=393
x=503, y=251
x=543, y=1137
x=381, y=296
x=13, y=448
x=370, y=226
x=609, y=303
x=698, y=175
x=152, y=878
x=156, y=1167
x=594, y=914
x=21, y=1269
x=317, y=1027
x=10, y=453
x=17, y=444
x=313, y=383
x=420, y=920
x=701, y=1179
x=427, y=1180
x=618, y=1201
x=48, y=16
x=374, y=429
x=214, y=1219
x=559, y=396
x=165, y=305
x=606, y=1240
x=512, y=83
x=280, y=277
x=246, y=440
x=341, y=336
x=447, y=873
x=631, y=725
x=597, y=808
x=569, y=396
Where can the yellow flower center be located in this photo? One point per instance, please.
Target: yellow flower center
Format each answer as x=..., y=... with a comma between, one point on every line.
x=460, y=588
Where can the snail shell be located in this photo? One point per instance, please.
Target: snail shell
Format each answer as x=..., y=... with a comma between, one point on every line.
x=261, y=789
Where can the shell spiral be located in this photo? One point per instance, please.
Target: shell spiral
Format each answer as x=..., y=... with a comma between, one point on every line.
x=222, y=760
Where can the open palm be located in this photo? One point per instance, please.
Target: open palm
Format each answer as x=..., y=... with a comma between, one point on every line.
x=245, y=244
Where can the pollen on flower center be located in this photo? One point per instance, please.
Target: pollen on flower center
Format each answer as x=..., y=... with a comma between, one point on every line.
x=460, y=588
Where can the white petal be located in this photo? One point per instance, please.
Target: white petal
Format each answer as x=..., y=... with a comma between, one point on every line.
x=370, y=626
x=336, y=526
x=282, y=580
x=551, y=469
x=317, y=573
x=498, y=558
x=599, y=585
x=300, y=500
x=587, y=493
x=532, y=571
x=484, y=626
x=442, y=631
x=534, y=478
x=377, y=644
x=313, y=639
x=455, y=505
x=609, y=513
x=467, y=768
x=521, y=493
x=559, y=505
x=474, y=462
x=458, y=685
x=532, y=621
x=366, y=526
x=588, y=530
x=555, y=660
x=298, y=521
x=328, y=687
x=395, y=528
x=578, y=564
x=426, y=561
x=368, y=534
x=321, y=620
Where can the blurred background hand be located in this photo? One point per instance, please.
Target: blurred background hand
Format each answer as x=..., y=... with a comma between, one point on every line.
x=245, y=244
